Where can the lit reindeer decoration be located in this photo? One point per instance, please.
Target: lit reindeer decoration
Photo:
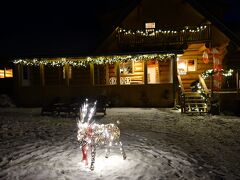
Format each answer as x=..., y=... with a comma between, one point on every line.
x=92, y=134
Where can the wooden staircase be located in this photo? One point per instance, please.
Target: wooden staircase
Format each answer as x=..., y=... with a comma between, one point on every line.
x=194, y=102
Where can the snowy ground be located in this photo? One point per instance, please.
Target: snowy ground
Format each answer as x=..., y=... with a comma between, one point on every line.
x=159, y=143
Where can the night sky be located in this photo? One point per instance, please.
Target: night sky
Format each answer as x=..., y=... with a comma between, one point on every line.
x=227, y=11
x=43, y=28
x=65, y=28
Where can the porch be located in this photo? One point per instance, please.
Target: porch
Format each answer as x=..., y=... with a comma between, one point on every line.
x=128, y=80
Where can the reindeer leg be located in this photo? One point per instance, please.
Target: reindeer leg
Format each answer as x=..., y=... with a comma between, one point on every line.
x=122, y=150
x=107, y=151
x=93, y=155
x=85, y=154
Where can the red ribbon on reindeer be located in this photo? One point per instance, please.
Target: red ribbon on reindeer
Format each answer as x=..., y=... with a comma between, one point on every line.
x=85, y=147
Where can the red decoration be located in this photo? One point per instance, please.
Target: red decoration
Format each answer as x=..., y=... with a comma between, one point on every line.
x=84, y=154
x=85, y=147
x=205, y=57
x=217, y=66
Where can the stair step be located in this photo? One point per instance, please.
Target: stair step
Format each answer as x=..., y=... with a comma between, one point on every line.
x=196, y=109
x=193, y=97
x=195, y=102
x=200, y=98
x=200, y=104
x=191, y=93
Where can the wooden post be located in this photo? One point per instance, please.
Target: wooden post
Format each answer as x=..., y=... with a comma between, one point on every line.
x=174, y=78
x=211, y=82
x=107, y=74
x=145, y=73
x=67, y=74
x=42, y=75
x=237, y=81
x=209, y=35
x=19, y=75
x=42, y=82
x=92, y=74
x=118, y=73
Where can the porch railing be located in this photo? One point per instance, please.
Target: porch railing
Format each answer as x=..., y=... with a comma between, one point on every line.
x=203, y=84
x=154, y=37
x=181, y=95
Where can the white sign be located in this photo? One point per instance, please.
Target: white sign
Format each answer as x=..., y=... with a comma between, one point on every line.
x=150, y=25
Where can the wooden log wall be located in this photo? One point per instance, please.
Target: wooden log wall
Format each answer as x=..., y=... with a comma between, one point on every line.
x=194, y=52
x=138, y=76
x=80, y=76
x=53, y=76
x=112, y=70
x=165, y=71
x=35, y=77
x=100, y=74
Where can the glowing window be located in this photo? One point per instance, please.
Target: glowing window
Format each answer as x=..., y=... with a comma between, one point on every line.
x=192, y=64
x=6, y=73
x=182, y=67
x=185, y=66
x=2, y=73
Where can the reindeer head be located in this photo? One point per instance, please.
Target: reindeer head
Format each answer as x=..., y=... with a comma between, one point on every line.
x=85, y=121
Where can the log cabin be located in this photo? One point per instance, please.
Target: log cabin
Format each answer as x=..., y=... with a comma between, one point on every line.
x=155, y=50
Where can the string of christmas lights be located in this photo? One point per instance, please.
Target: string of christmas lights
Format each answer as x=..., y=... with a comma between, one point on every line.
x=201, y=91
x=77, y=62
x=153, y=32
x=211, y=72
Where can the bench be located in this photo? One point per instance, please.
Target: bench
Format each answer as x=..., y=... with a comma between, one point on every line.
x=58, y=107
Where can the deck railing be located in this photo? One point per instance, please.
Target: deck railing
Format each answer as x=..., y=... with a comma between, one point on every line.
x=203, y=84
x=153, y=37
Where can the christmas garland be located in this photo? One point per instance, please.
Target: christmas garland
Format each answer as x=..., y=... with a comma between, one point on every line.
x=77, y=62
x=161, y=31
x=211, y=72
